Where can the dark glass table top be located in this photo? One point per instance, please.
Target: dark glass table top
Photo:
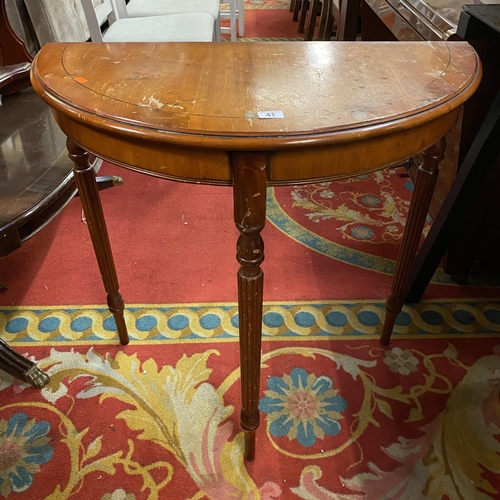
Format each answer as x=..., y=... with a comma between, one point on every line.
x=33, y=158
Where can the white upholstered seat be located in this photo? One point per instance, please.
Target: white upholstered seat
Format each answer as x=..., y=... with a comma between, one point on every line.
x=193, y=27
x=146, y=8
x=173, y=28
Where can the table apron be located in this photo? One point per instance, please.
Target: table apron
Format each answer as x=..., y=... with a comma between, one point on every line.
x=290, y=165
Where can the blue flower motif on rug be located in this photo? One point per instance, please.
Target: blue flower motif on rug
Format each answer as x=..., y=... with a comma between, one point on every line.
x=302, y=406
x=362, y=232
x=23, y=448
x=371, y=200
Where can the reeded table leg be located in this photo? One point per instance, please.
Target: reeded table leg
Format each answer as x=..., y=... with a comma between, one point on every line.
x=422, y=195
x=249, y=171
x=20, y=367
x=89, y=195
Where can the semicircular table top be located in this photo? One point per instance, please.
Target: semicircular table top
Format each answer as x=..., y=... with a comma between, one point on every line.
x=219, y=89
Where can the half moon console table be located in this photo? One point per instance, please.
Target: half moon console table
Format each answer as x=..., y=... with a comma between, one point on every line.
x=252, y=115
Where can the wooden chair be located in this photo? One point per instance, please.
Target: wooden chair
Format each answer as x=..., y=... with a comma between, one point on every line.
x=297, y=6
x=348, y=20
x=330, y=11
x=236, y=13
x=329, y=14
x=304, y=7
x=307, y=11
x=194, y=27
x=240, y=15
x=230, y=14
x=315, y=7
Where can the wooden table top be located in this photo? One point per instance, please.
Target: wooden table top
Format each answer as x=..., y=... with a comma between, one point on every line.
x=177, y=91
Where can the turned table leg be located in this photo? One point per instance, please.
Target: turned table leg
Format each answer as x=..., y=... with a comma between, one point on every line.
x=20, y=367
x=249, y=172
x=91, y=202
x=424, y=188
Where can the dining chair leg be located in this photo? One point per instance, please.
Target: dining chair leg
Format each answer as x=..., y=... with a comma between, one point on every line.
x=322, y=19
x=232, y=19
x=91, y=202
x=303, y=15
x=249, y=174
x=425, y=182
x=348, y=22
x=241, y=17
x=20, y=367
x=326, y=21
x=292, y=5
x=217, y=34
x=311, y=20
x=297, y=9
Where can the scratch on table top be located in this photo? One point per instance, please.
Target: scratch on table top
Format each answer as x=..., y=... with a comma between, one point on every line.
x=176, y=106
x=153, y=103
x=250, y=116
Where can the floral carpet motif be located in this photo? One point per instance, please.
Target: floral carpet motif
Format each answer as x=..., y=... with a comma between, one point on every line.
x=359, y=221
x=368, y=209
x=361, y=213
x=341, y=418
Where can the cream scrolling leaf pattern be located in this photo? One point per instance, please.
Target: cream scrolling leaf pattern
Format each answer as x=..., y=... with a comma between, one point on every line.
x=449, y=459
x=373, y=216
x=199, y=438
x=173, y=407
x=375, y=398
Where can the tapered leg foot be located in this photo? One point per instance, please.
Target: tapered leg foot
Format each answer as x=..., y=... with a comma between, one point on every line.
x=249, y=445
x=20, y=367
x=393, y=307
x=422, y=195
x=91, y=202
x=249, y=172
x=36, y=377
x=117, y=307
x=108, y=181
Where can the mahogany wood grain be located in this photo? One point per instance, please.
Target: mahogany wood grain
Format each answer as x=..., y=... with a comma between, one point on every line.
x=424, y=187
x=250, y=216
x=89, y=194
x=189, y=112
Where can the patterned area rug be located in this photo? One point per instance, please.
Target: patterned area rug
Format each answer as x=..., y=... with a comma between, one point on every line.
x=342, y=418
